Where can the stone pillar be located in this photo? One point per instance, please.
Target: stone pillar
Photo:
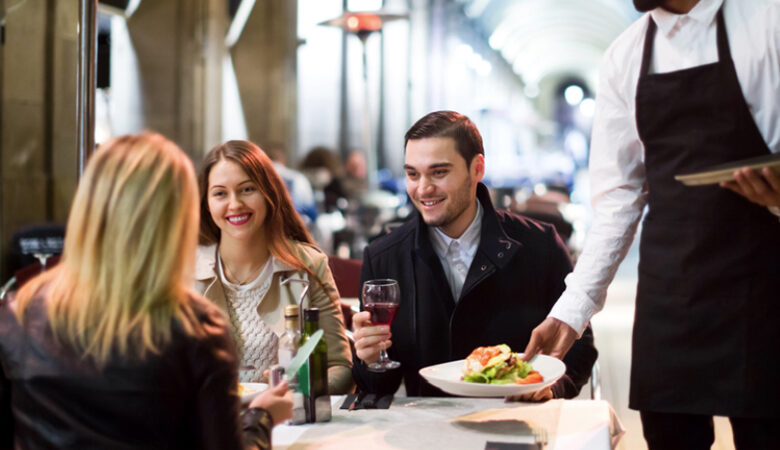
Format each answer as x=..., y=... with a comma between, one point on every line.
x=179, y=46
x=214, y=54
x=265, y=63
x=64, y=141
x=37, y=115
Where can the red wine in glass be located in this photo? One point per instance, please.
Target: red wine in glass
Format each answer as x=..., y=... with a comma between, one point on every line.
x=381, y=298
x=382, y=313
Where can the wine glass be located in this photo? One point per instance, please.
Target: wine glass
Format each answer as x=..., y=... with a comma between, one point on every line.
x=381, y=298
x=42, y=258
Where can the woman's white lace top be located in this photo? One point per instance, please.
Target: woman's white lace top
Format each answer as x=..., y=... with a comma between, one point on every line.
x=255, y=342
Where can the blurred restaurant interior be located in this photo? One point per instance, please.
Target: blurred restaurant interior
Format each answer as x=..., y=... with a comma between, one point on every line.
x=277, y=73
x=328, y=88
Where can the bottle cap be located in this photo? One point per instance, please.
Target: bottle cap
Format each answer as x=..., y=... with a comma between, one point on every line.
x=291, y=311
x=310, y=314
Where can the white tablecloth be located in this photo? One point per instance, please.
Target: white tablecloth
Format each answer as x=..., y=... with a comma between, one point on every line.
x=458, y=423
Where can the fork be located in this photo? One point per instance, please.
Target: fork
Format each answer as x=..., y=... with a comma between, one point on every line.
x=540, y=436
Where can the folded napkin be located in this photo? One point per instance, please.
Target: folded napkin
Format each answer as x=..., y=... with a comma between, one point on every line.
x=531, y=418
x=363, y=400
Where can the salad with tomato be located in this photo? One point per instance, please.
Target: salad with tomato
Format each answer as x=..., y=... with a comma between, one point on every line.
x=497, y=364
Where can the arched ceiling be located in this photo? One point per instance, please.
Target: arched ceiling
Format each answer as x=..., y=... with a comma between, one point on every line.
x=543, y=38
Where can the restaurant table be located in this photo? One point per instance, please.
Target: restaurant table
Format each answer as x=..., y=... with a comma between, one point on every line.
x=458, y=423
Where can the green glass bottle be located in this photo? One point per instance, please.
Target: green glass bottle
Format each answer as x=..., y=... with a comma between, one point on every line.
x=313, y=375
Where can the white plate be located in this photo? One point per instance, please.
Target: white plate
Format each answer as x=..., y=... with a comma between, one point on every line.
x=447, y=377
x=251, y=390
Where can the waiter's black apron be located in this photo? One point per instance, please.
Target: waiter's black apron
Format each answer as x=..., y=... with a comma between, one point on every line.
x=707, y=331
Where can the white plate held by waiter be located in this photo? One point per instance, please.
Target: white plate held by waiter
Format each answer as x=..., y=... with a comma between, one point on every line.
x=448, y=378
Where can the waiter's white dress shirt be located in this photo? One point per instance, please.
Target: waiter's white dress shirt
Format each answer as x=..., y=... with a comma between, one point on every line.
x=457, y=254
x=617, y=170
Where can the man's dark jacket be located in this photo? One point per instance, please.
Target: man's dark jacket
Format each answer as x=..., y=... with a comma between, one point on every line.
x=514, y=280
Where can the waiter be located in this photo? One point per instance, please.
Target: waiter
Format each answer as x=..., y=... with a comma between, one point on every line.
x=692, y=84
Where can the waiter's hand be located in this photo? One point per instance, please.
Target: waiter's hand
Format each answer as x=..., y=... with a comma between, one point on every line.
x=541, y=395
x=551, y=337
x=762, y=187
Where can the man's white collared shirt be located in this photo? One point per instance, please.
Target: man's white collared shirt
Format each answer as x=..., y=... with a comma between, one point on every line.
x=457, y=254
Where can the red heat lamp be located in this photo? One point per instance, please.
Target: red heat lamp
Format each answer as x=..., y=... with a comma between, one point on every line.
x=363, y=23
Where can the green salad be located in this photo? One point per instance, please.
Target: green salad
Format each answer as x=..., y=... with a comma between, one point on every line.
x=495, y=365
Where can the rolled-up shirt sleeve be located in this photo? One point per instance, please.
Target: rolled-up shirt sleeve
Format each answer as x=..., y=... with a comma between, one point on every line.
x=617, y=175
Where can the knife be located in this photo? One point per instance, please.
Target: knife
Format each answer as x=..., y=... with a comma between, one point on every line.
x=295, y=364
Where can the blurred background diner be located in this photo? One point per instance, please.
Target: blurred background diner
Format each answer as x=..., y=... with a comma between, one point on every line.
x=327, y=88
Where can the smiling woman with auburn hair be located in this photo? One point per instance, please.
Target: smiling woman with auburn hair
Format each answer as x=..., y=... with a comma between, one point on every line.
x=112, y=348
x=251, y=240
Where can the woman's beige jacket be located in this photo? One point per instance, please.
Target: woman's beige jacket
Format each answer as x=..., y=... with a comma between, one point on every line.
x=322, y=295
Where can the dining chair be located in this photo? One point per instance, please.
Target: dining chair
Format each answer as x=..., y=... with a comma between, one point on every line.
x=34, y=249
x=25, y=274
x=36, y=243
x=346, y=275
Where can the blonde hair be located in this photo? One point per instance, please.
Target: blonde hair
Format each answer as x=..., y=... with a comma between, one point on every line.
x=129, y=249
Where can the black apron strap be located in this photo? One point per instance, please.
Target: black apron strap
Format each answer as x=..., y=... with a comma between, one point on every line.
x=647, y=52
x=724, y=53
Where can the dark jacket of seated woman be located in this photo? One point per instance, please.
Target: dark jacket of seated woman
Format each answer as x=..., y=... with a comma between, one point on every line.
x=184, y=397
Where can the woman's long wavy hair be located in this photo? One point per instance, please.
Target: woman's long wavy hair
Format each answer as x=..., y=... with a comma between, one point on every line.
x=282, y=222
x=127, y=264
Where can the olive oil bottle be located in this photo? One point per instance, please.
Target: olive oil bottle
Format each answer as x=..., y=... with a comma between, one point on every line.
x=313, y=375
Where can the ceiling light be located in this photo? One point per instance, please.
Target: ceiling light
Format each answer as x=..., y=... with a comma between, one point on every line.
x=573, y=95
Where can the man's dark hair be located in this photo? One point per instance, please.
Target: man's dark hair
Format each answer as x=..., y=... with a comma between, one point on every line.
x=449, y=124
